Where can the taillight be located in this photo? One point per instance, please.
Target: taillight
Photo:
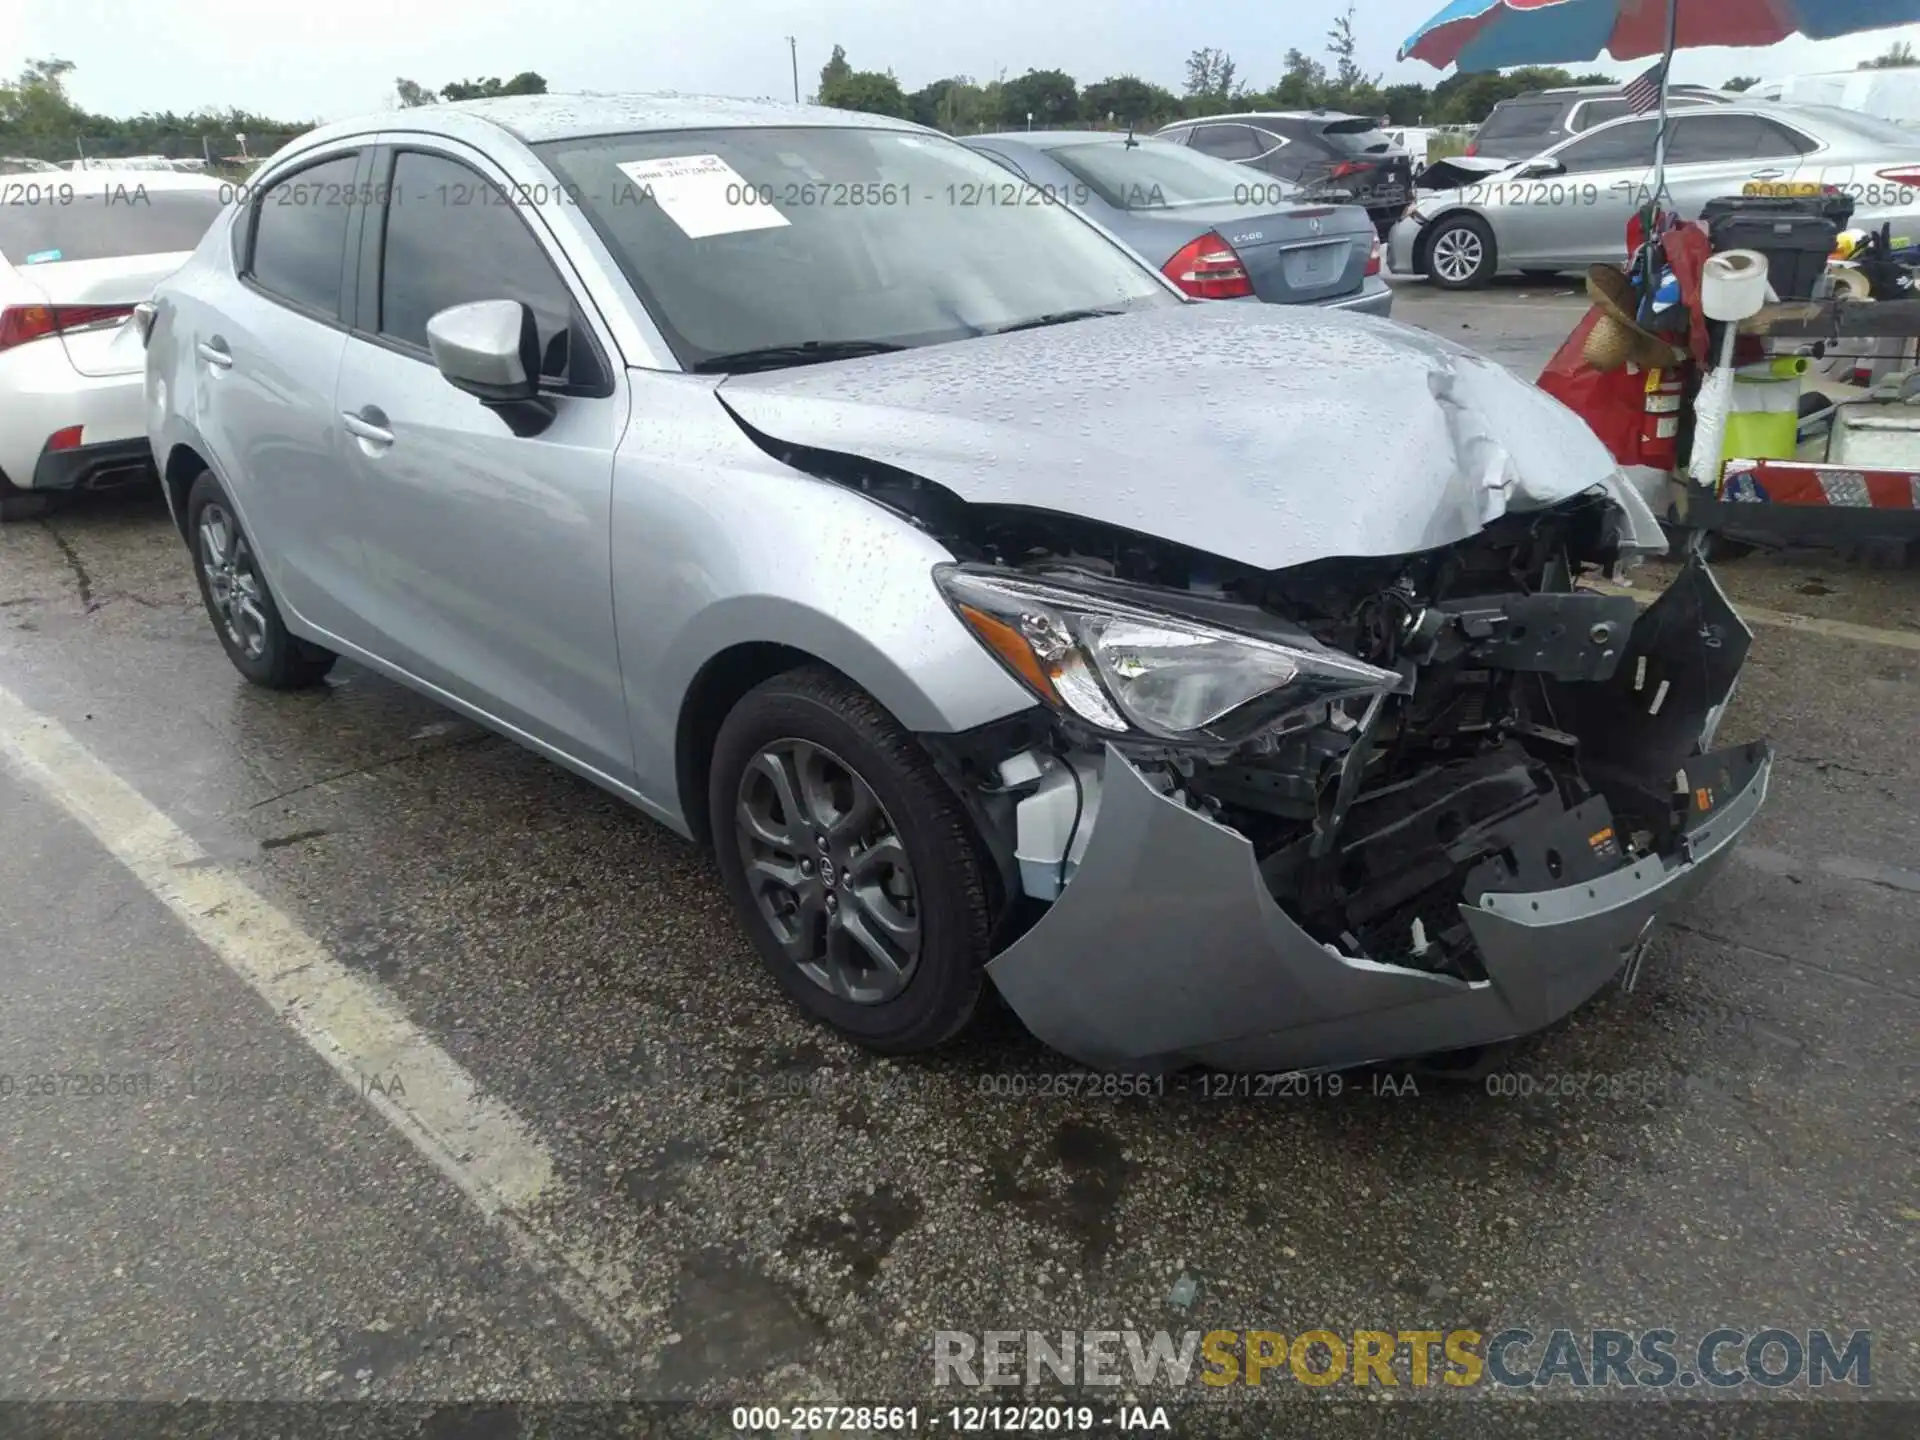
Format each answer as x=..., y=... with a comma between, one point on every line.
x=1349, y=167
x=1473, y=148
x=1208, y=269
x=1377, y=258
x=21, y=323
x=1900, y=176
x=67, y=439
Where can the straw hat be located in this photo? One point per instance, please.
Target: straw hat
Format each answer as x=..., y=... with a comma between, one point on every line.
x=1618, y=339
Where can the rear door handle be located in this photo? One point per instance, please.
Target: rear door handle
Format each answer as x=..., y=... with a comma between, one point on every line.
x=215, y=353
x=368, y=423
x=1767, y=175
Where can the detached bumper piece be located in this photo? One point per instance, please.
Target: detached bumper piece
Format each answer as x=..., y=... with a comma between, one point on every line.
x=108, y=465
x=1168, y=948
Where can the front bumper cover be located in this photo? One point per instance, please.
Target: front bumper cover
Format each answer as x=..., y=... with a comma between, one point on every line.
x=1166, y=949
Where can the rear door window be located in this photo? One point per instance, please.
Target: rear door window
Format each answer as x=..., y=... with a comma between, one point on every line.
x=300, y=234
x=1516, y=125
x=46, y=220
x=1707, y=139
x=1227, y=142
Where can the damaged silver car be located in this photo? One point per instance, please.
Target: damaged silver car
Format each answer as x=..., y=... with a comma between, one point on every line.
x=996, y=613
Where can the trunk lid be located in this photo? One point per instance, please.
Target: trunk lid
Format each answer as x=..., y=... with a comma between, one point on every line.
x=108, y=346
x=1295, y=255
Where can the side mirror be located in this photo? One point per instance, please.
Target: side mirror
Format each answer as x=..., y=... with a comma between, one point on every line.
x=1539, y=169
x=490, y=350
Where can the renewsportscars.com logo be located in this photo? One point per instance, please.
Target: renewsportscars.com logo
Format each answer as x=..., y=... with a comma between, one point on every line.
x=1656, y=1359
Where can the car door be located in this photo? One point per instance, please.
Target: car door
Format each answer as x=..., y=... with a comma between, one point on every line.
x=265, y=356
x=1577, y=214
x=487, y=563
x=1712, y=154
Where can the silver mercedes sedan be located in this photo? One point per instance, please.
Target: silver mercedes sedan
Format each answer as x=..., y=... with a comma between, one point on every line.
x=993, y=612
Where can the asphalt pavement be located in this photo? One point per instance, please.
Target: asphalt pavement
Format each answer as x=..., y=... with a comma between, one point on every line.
x=350, y=1052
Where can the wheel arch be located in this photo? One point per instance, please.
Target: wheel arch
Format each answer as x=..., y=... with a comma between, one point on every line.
x=184, y=462
x=1423, y=248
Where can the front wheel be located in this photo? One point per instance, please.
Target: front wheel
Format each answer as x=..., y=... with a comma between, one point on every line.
x=1460, y=253
x=235, y=592
x=851, y=863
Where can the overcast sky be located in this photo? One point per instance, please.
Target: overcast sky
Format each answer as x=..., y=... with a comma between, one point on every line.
x=334, y=58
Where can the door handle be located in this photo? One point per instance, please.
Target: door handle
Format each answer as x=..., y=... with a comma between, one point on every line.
x=215, y=353
x=1766, y=175
x=369, y=423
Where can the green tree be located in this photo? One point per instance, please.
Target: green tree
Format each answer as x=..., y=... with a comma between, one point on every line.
x=1212, y=85
x=1467, y=99
x=1407, y=104
x=1347, y=74
x=1593, y=77
x=1897, y=56
x=527, y=82
x=410, y=94
x=1740, y=83
x=1050, y=96
x=35, y=104
x=1303, y=83
x=874, y=91
x=1129, y=100
x=835, y=70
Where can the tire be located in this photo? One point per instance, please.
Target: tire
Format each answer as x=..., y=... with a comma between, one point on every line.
x=238, y=601
x=833, y=875
x=1460, y=253
x=18, y=504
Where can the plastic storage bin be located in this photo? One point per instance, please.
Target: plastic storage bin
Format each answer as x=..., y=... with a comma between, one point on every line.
x=1796, y=233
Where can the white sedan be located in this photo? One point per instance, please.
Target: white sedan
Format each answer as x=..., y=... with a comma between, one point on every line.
x=77, y=252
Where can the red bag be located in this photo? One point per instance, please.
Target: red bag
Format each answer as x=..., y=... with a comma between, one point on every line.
x=1635, y=412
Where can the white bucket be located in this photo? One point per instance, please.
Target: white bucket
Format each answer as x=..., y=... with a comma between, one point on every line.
x=1734, y=285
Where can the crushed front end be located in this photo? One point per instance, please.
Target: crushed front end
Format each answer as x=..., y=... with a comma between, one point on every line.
x=1357, y=810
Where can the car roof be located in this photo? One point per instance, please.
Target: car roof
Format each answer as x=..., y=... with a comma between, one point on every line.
x=1272, y=115
x=1580, y=90
x=86, y=181
x=538, y=118
x=1054, y=139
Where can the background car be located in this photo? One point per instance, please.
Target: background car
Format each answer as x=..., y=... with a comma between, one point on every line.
x=26, y=165
x=1568, y=208
x=1522, y=127
x=1885, y=94
x=1330, y=155
x=77, y=253
x=1213, y=228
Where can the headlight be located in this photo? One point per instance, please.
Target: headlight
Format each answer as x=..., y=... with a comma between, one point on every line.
x=1128, y=669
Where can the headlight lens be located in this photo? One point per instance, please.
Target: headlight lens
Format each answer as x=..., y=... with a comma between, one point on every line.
x=1131, y=670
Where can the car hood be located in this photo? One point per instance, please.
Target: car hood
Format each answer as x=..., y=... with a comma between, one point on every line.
x=1269, y=435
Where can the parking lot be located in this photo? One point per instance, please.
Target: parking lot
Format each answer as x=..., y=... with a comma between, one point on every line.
x=706, y=1196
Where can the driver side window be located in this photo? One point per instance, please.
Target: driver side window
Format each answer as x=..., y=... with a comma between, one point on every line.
x=451, y=238
x=1619, y=147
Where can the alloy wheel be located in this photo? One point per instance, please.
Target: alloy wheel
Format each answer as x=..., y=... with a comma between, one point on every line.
x=828, y=872
x=233, y=581
x=1457, y=254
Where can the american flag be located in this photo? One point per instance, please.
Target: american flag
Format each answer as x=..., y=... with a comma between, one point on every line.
x=1643, y=93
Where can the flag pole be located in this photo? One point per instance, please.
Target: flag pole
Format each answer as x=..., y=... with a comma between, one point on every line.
x=1666, y=77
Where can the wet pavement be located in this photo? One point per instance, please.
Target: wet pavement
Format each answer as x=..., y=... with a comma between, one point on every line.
x=761, y=1212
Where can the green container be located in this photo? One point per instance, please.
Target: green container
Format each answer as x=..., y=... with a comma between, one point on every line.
x=1765, y=422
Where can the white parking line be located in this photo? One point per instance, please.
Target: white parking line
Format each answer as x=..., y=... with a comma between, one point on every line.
x=478, y=1143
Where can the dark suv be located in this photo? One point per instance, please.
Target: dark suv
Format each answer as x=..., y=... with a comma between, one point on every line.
x=1520, y=128
x=1344, y=158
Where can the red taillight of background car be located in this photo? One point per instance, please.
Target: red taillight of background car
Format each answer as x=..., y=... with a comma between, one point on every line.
x=1349, y=167
x=1473, y=148
x=21, y=323
x=1208, y=269
x=1377, y=259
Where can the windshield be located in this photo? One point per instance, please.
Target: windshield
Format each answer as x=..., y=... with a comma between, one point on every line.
x=742, y=239
x=1356, y=136
x=44, y=220
x=1155, y=175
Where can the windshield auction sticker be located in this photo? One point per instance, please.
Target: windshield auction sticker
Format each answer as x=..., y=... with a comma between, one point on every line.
x=703, y=195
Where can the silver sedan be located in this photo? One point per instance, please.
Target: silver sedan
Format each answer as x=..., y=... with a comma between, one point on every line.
x=1569, y=207
x=994, y=613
